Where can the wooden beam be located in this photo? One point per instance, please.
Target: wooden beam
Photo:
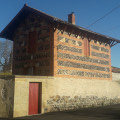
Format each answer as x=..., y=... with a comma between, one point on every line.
x=114, y=43
x=82, y=36
x=111, y=42
x=71, y=32
x=54, y=26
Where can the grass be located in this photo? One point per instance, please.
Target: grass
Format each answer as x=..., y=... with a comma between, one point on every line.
x=5, y=73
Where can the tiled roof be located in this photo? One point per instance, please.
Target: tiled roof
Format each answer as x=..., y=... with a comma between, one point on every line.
x=115, y=69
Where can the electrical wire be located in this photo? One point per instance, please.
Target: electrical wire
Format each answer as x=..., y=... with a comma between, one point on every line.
x=111, y=28
x=103, y=16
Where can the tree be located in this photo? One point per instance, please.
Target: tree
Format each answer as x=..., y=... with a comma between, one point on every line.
x=6, y=51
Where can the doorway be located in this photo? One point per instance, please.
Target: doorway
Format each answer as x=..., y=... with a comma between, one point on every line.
x=35, y=98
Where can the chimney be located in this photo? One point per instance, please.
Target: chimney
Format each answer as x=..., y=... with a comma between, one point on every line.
x=71, y=18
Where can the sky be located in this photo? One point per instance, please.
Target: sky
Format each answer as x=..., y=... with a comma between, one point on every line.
x=86, y=12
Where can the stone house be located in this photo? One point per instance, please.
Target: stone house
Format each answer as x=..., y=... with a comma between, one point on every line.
x=57, y=66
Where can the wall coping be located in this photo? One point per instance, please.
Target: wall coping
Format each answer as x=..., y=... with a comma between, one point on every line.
x=32, y=76
x=7, y=77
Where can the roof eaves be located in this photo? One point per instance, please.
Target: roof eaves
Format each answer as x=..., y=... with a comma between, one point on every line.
x=86, y=30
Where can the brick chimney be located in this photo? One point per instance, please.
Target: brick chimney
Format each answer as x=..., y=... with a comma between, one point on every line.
x=71, y=18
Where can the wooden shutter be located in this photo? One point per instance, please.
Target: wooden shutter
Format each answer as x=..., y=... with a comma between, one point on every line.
x=32, y=42
x=86, y=47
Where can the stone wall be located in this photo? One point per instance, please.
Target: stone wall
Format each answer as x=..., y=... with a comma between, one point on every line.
x=80, y=93
x=21, y=99
x=65, y=93
x=116, y=77
x=58, y=94
x=6, y=96
x=61, y=103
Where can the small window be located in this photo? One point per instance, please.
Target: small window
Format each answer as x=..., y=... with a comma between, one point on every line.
x=86, y=47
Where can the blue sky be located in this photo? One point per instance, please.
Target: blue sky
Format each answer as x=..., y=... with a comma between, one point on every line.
x=86, y=12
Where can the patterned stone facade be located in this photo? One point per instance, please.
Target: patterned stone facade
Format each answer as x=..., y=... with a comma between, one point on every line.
x=39, y=50
x=73, y=62
x=33, y=58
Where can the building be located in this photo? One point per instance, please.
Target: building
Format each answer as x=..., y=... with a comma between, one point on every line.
x=47, y=46
x=51, y=58
x=115, y=69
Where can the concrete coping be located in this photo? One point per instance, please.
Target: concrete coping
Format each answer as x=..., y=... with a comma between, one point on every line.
x=9, y=77
x=33, y=76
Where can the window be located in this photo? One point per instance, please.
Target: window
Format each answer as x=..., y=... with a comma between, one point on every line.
x=86, y=47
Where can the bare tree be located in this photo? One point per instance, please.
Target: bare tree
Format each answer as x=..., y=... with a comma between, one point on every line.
x=6, y=48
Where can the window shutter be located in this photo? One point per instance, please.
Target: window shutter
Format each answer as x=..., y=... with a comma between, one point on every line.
x=32, y=42
x=86, y=47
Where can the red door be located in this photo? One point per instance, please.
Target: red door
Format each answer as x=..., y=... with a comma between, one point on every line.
x=33, y=98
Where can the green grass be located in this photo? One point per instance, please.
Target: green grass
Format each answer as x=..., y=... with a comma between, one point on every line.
x=5, y=73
